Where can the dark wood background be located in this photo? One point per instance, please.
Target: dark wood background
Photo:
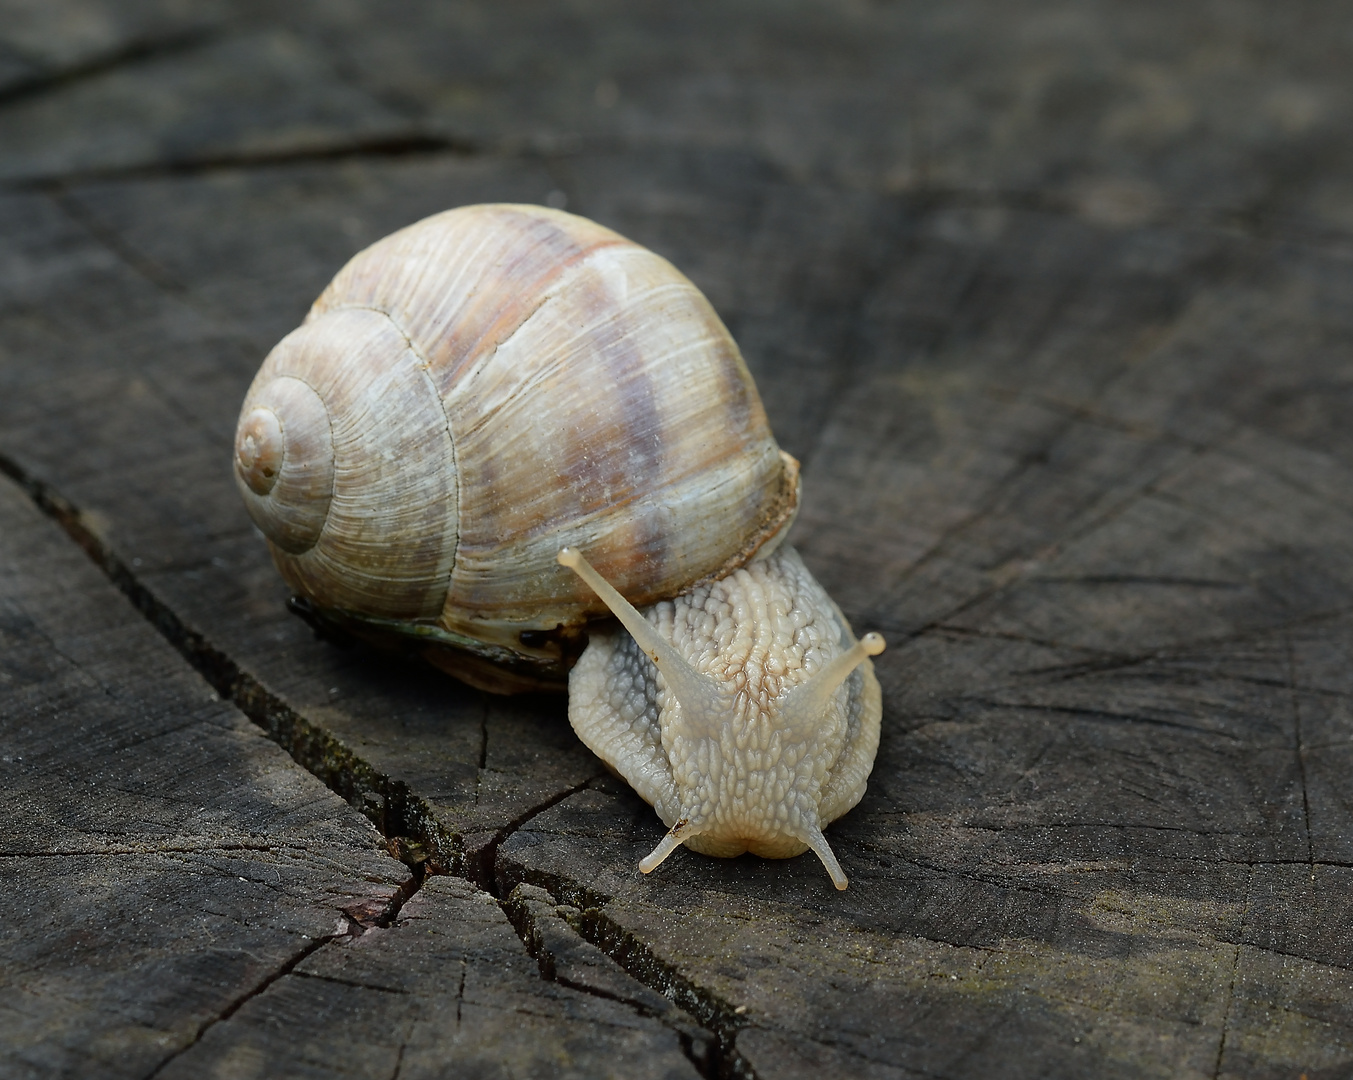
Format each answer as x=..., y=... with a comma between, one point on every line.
x=1054, y=301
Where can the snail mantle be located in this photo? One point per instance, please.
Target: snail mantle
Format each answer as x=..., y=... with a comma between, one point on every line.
x=504, y=423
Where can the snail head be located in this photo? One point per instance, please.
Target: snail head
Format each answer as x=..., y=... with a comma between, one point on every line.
x=708, y=710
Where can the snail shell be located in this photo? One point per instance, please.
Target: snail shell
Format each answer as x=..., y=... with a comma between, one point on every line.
x=480, y=389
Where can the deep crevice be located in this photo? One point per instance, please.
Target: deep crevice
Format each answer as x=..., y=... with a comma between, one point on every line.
x=634, y=957
x=478, y=866
x=714, y=1057
x=698, y=1049
x=418, y=873
x=711, y=1048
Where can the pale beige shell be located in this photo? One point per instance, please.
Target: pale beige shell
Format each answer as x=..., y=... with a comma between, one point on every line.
x=481, y=388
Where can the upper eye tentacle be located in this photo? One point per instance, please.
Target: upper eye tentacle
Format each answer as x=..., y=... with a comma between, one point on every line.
x=703, y=704
x=804, y=704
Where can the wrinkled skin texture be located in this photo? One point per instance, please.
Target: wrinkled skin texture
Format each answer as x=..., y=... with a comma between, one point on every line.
x=750, y=777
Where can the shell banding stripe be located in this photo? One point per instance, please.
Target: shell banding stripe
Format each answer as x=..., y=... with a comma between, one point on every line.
x=623, y=441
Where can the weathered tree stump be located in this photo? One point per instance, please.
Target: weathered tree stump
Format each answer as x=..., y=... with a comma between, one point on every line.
x=1054, y=302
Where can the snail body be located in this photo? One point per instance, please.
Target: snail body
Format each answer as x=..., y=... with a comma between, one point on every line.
x=496, y=383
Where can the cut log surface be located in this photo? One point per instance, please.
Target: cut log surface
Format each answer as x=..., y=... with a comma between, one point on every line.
x=1054, y=302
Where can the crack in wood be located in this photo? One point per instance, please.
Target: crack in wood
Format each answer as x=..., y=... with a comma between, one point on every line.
x=1301, y=751
x=1130, y=825
x=984, y=634
x=714, y=1054
x=1135, y=579
x=460, y=993
x=1177, y=652
x=912, y=785
x=137, y=261
x=356, y=984
x=407, y=144
x=399, y=1057
x=239, y=1002
x=1099, y=715
x=991, y=503
x=130, y=54
x=1022, y=574
x=478, y=867
x=1230, y=999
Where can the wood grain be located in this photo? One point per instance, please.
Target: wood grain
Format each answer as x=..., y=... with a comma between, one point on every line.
x=1051, y=299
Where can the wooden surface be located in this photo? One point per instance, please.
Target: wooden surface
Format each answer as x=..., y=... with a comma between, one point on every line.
x=1054, y=301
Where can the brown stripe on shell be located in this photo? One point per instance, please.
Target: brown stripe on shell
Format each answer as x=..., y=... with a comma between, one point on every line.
x=579, y=453
x=602, y=481
x=624, y=373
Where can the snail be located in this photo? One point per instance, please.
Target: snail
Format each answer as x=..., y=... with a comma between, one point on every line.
x=504, y=423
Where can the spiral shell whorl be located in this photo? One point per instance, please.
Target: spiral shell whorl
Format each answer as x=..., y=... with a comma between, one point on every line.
x=284, y=460
x=260, y=450
x=362, y=512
